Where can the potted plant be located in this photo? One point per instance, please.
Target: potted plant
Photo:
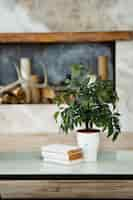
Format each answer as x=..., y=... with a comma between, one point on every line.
x=91, y=102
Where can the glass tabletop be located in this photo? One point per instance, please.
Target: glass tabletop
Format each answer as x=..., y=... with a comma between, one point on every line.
x=30, y=163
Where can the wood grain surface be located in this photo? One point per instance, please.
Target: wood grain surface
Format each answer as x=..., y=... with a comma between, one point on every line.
x=71, y=189
x=58, y=37
x=28, y=142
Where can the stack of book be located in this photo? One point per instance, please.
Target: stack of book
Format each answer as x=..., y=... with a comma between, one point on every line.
x=63, y=154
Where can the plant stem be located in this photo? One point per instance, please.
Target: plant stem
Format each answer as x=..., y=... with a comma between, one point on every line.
x=87, y=125
x=91, y=125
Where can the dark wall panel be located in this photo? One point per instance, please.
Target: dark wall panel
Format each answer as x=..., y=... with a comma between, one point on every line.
x=56, y=57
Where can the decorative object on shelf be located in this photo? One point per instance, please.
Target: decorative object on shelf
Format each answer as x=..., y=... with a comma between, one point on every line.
x=35, y=92
x=19, y=93
x=93, y=105
x=9, y=98
x=89, y=141
x=25, y=71
x=14, y=96
x=47, y=93
x=61, y=153
x=103, y=67
x=28, y=83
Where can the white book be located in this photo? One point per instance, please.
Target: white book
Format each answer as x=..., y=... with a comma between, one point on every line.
x=59, y=148
x=67, y=162
x=54, y=155
x=57, y=156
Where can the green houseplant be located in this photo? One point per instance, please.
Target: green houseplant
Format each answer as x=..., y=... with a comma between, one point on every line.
x=90, y=102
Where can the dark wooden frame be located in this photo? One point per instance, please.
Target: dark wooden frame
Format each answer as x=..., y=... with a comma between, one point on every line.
x=35, y=177
x=67, y=37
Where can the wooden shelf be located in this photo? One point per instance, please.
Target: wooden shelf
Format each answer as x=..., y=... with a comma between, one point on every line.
x=66, y=37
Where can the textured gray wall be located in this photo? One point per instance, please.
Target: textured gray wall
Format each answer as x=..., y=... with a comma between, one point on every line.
x=57, y=58
x=81, y=15
x=65, y=15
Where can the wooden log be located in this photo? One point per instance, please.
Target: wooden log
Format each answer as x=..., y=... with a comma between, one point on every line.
x=35, y=92
x=6, y=99
x=47, y=93
x=1, y=100
x=9, y=86
x=9, y=98
x=103, y=67
x=19, y=94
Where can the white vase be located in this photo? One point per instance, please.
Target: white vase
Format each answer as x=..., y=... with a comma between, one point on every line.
x=89, y=142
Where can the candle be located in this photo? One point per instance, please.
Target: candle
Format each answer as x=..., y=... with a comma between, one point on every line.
x=25, y=69
x=103, y=67
x=35, y=92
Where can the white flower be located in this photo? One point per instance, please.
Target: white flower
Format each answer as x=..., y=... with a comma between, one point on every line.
x=92, y=79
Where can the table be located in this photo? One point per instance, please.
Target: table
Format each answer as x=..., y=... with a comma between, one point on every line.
x=26, y=166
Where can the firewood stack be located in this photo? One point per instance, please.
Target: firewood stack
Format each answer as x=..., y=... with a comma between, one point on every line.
x=18, y=96
x=14, y=96
x=27, y=89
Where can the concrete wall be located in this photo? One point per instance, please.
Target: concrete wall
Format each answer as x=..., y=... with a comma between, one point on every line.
x=81, y=15
x=68, y=15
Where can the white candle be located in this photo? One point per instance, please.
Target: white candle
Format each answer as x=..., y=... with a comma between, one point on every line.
x=25, y=68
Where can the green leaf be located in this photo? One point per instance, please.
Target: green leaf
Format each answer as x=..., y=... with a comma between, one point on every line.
x=75, y=70
x=56, y=114
x=115, y=136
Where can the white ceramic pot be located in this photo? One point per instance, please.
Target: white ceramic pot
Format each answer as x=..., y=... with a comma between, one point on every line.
x=89, y=142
